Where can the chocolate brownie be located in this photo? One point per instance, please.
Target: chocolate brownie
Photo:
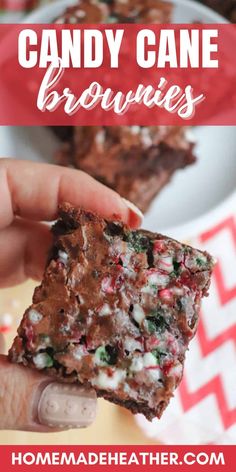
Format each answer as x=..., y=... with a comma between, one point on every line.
x=115, y=311
x=135, y=161
x=226, y=8
x=117, y=11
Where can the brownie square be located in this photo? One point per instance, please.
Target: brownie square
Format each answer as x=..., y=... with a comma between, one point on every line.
x=135, y=161
x=117, y=11
x=115, y=311
x=226, y=8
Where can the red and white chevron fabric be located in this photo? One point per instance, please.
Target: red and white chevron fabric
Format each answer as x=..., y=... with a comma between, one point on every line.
x=204, y=408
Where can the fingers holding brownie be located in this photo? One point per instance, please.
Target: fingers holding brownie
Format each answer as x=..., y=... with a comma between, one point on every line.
x=30, y=194
x=31, y=401
x=34, y=191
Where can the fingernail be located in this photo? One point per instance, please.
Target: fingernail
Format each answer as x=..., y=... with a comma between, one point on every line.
x=67, y=406
x=136, y=216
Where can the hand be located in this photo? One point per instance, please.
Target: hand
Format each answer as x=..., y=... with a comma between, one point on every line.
x=29, y=194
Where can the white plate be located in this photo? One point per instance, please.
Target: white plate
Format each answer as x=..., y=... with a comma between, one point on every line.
x=197, y=194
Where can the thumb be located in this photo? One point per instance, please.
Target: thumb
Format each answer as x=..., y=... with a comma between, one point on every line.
x=31, y=401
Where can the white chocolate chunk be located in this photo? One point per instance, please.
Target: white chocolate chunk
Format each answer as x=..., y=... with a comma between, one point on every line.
x=176, y=370
x=105, y=310
x=105, y=381
x=79, y=352
x=135, y=129
x=100, y=137
x=80, y=14
x=158, y=279
x=137, y=364
x=138, y=313
x=63, y=257
x=34, y=316
x=155, y=280
x=155, y=374
x=149, y=360
x=141, y=362
x=132, y=345
x=41, y=360
x=146, y=138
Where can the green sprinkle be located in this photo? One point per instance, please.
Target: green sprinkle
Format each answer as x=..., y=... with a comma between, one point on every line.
x=200, y=261
x=106, y=355
x=137, y=242
x=49, y=361
x=187, y=250
x=102, y=354
x=151, y=326
x=176, y=266
x=156, y=322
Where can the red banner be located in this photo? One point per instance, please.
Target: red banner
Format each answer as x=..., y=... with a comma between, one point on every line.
x=43, y=458
x=117, y=74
